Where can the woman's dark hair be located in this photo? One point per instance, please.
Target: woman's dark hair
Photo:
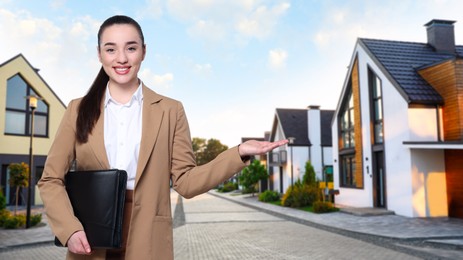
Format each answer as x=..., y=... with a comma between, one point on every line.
x=90, y=107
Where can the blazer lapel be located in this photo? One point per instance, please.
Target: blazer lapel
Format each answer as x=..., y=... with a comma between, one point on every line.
x=151, y=123
x=96, y=141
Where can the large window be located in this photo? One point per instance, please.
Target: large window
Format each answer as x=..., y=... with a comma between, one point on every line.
x=348, y=171
x=377, y=106
x=347, y=124
x=347, y=146
x=18, y=114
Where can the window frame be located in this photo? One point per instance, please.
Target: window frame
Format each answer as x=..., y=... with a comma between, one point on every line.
x=27, y=112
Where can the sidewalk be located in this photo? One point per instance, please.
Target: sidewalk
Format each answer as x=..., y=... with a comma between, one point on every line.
x=440, y=232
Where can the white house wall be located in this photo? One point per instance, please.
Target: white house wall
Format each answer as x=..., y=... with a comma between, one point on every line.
x=429, y=183
x=397, y=129
x=422, y=130
x=314, y=135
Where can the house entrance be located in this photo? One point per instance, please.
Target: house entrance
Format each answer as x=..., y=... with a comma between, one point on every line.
x=379, y=186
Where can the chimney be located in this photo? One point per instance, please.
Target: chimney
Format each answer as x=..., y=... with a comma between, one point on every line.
x=441, y=35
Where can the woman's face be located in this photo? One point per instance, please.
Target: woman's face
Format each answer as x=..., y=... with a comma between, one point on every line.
x=121, y=53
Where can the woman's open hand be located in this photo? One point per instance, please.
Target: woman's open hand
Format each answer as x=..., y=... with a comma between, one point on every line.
x=253, y=147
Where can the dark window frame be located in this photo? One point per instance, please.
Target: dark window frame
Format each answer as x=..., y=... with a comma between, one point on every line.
x=28, y=112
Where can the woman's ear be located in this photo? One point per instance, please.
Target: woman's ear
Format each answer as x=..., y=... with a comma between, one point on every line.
x=144, y=51
x=98, y=53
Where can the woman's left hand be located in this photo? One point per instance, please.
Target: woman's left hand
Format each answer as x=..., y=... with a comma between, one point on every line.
x=253, y=147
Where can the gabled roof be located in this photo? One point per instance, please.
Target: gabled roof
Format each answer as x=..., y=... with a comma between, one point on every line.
x=400, y=62
x=294, y=124
x=20, y=56
x=325, y=117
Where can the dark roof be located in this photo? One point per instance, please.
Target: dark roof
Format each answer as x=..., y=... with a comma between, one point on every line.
x=401, y=60
x=294, y=124
x=325, y=117
x=244, y=139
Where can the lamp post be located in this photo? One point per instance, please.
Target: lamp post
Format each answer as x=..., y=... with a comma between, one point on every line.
x=291, y=142
x=32, y=105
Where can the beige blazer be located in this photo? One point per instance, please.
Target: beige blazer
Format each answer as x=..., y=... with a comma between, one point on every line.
x=165, y=155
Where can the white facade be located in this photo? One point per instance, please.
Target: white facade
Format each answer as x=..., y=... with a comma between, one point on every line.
x=412, y=176
x=298, y=155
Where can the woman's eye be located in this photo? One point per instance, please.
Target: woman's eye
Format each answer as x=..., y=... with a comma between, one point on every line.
x=110, y=50
x=132, y=48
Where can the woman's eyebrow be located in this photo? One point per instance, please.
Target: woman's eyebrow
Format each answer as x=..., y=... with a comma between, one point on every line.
x=127, y=43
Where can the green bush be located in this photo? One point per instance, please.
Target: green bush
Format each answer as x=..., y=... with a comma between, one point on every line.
x=2, y=200
x=4, y=215
x=227, y=187
x=15, y=222
x=269, y=195
x=9, y=221
x=300, y=195
x=323, y=207
x=36, y=219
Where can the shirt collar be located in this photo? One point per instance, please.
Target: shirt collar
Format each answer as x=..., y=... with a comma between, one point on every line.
x=137, y=96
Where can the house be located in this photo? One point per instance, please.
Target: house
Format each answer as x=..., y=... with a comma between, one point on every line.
x=309, y=134
x=263, y=184
x=19, y=79
x=398, y=126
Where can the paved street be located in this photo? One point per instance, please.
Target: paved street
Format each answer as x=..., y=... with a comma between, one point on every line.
x=230, y=226
x=219, y=229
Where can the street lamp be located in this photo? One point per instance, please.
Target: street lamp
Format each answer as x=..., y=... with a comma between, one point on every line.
x=32, y=105
x=291, y=143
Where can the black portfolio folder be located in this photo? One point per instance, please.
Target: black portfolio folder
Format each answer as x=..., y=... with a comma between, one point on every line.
x=98, y=198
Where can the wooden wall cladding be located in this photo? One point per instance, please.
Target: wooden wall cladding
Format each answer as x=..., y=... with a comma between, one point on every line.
x=447, y=79
x=454, y=179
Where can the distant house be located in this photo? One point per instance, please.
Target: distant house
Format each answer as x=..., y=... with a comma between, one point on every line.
x=398, y=127
x=19, y=79
x=309, y=131
x=263, y=184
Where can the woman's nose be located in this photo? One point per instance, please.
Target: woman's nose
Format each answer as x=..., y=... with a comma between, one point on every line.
x=121, y=57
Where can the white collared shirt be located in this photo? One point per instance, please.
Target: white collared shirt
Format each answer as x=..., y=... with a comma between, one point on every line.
x=122, y=133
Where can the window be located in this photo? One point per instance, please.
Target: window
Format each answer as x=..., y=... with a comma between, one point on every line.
x=18, y=114
x=377, y=106
x=348, y=171
x=347, y=124
x=347, y=146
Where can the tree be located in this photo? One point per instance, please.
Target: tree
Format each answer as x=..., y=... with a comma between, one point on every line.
x=309, y=177
x=251, y=175
x=206, y=151
x=19, y=174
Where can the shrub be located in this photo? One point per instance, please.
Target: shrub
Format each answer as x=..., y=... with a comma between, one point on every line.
x=15, y=222
x=300, y=195
x=251, y=175
x=2, y=200
x=323, y=207
x=227, y=187
x=9, y=221
x=269, y=195
x=36, y=219
x=4, y=215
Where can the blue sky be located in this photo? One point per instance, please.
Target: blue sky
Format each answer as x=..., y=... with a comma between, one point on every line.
x=230, y=62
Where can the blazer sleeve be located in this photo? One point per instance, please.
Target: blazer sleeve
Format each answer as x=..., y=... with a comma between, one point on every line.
x=52, y=190
x=190, y=180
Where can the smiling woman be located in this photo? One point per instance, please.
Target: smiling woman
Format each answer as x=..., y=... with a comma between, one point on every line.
x=122, y=124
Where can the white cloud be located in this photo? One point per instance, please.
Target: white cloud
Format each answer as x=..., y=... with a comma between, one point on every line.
x=222, y=19
x=277, y=58
x=56, y=4
x=207, y=30
x=260, y=22
x=151, y=9
x=156, y=81
x=203, y=68
x=60, y=51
